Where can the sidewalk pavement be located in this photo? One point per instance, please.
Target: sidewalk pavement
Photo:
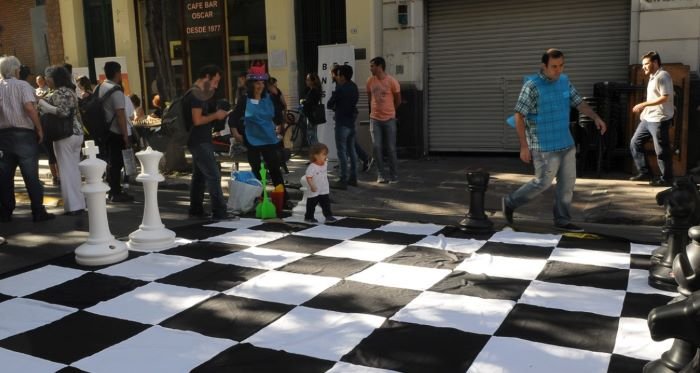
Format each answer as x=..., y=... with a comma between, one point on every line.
x=432, y=189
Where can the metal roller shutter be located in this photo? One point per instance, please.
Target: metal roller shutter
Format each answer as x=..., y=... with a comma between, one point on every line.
x=478, y=52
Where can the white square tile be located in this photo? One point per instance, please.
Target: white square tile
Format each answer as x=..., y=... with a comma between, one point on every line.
x=247, y=237
x=523, y=238
x=634, y=340
x=258, y=257
x=640, y=249
x=512, y=355
x=283, y=287
x=467, y=313
x=332, y=232
x=241, y=223
x=150, y=267
x=341, y=367
x=591, y=257
x=152, y=303
x=38, y=279
x=459, y=245
x=411, y=228
x=574, y=298
x=319, y=333
x=15, y=362
x=369, y=251
x=156, y=349
x=638, y=283
x=502, y=266
x=400, y=276
x=20, y=315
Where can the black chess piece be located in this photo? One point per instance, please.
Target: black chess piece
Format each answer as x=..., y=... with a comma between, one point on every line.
x=679, y=318
x=476, y=219
x=682, y=204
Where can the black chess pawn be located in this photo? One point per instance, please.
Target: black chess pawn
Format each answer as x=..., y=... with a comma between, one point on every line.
x=476, y=219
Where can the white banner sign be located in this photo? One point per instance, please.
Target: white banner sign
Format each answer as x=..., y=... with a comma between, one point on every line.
x=668, y=4
x=341, y=54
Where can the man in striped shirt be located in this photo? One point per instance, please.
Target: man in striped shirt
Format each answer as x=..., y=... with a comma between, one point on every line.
x=20, y=136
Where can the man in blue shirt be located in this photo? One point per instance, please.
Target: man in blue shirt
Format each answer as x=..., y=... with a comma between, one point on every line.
x=344, y=103
x=542, y=124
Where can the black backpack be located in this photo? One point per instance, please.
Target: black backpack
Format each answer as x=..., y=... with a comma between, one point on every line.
x=173, y=124
x=93, y=114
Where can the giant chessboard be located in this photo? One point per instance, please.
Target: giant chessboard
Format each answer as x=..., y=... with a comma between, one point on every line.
x=357, y=296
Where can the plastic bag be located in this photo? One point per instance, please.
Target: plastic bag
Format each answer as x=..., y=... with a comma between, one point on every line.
x=242, y=195
x=129, y=161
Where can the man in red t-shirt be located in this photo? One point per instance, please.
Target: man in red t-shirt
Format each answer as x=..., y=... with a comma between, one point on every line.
x=384, y=96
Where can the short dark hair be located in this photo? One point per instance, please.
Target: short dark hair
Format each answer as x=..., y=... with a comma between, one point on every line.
x=316, y=149
x=653, y=56
x=59, y=75
x=378, y=61
x=68, y=67
x=111, y=69
x=345, y=71
x=210, y=71
x=24, y=72
x=135, y=100
x=551, y=53
x=249, y=88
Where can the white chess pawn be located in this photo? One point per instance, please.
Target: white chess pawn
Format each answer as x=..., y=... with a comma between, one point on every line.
x=101, y=247
x=152, y=234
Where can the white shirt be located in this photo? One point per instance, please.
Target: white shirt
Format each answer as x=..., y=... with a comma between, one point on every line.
x=319, y=176
x=660, y=84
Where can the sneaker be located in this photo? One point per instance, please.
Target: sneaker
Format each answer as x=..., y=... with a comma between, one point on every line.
x=312, y=221
x=44, y=216
x=226, y=216
x=121, y=197
x=330, y=220
x=569, y=227
x=661, y=183
x=382, y=180
x=393, y=180
x=507, y=211
x=640, y=177
x=3, y=241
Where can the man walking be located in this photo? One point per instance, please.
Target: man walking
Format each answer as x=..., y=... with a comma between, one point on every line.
x=542, y=123
x=20, y=136
x=384, y=95
x=344, y=103
x=118, y=134
x=200, y=113
x=655, y=119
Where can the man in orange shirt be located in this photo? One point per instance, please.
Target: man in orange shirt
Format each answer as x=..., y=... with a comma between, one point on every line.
x=384, y=96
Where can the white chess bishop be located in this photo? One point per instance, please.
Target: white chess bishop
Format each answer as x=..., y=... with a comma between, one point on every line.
x=152, y=234
x=101, y=247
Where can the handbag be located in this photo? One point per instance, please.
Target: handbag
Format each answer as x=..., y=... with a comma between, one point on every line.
x=57, y=128
x=318, y=114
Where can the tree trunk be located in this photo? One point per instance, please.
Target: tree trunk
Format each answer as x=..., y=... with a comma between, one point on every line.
x=165, y=76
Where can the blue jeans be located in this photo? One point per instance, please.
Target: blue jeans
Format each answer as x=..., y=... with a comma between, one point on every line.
x=384, y=134
x=311, y=132
x=345, y=142
x=658, y=132
x=19, y=147
x=561, y=164
x=205, y=171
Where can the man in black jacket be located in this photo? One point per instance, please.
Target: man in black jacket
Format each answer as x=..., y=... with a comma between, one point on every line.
x=344, y=102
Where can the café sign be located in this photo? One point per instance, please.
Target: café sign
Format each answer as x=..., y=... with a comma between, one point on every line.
x=668, y=4
x=203, y=18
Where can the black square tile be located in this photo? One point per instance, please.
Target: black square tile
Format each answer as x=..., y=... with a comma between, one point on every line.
x=580, y=330
x=319, y=265
x=391, y=238
x=482, y=286
x=375, y=299
x=584, y=275
x=406, y=347
x=625, y=364
x=246, y=358
x=199, y=232
x=4, y=297
x=515, y=250
x=639, y=305
x=427, y=257
x=204, y=250
x=68, y=261
x=638, y=261
x=280, y=227
x=301, y=244
x=226, y=316
x=212, y=276
x=361, y=223
x=73, y=337
x=71, y=370
x=87, y=290
x=600, y=244
x=455, y=232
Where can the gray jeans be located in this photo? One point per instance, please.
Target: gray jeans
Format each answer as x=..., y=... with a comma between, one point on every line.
x=384, y=138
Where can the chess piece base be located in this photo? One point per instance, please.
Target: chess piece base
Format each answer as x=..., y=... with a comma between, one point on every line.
x=151, y=240
x=98, y=254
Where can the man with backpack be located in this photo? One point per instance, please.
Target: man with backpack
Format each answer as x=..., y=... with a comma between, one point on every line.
x=117, y=138
x=199, y=113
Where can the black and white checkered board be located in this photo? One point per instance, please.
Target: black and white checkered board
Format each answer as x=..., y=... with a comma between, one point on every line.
x=359, y=296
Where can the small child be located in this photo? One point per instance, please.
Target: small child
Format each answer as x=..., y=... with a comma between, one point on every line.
x=317, y=177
